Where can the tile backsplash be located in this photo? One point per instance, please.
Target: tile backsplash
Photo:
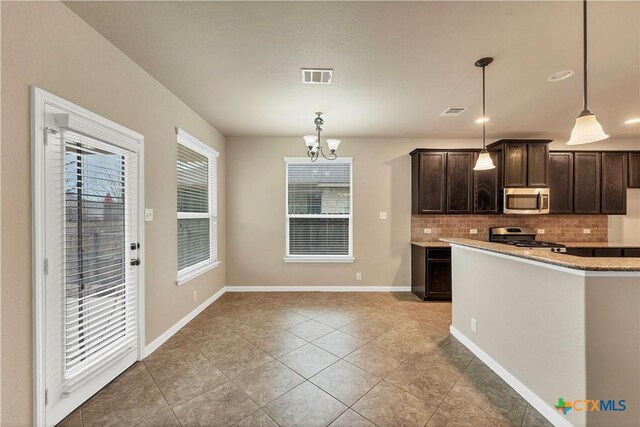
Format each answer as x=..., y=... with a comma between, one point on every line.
x=557, y=228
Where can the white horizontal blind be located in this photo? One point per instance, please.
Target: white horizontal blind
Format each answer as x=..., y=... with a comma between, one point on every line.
x=100, y=288
x=197, y=205
x=319, y=208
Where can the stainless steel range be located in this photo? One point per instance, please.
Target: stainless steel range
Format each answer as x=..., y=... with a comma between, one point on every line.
x=522, y=237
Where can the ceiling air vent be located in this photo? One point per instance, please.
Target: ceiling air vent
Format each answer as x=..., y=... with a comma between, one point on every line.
x=453, y=111
x=317, y=76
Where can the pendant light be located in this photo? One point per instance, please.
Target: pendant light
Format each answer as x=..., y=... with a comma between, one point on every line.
x=484, y=161
x=587, y=129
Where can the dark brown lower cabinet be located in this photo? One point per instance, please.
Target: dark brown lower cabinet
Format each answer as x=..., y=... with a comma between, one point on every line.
x=431, y=273
x=604, y=252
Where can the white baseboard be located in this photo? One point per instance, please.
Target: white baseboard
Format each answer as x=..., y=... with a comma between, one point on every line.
x=318, y=288
x=534, y=400
x=150, y=348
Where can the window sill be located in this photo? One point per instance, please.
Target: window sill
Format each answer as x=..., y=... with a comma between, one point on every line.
x=319, y=259
x=195, y=271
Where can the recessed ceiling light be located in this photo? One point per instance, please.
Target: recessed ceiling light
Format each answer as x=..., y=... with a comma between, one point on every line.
x=560, y=75
x=483, y=120
x=632, y=121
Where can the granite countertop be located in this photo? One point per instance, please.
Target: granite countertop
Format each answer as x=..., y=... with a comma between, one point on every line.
x=599, y=245
x=563, y=260
x=436, y=244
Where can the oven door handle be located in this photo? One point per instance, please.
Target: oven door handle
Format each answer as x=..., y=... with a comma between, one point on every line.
x=539, y=201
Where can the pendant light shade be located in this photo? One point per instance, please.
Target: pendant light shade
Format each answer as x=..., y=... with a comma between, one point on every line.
x=587, y=129
x=484, y=161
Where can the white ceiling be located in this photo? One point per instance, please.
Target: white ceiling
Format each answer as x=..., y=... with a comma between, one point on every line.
x=398, y=65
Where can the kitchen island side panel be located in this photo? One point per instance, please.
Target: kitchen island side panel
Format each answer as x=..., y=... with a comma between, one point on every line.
x=530, y=320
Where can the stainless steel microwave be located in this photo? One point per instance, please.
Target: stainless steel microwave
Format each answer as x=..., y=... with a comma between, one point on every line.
x=528, y=201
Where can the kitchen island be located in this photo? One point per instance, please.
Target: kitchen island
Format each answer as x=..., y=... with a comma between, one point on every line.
x=552, y=326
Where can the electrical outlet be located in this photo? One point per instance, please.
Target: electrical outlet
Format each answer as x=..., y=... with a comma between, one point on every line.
x=358, y=276
x=473, y=231
x=427, y=231
x=148, y=214
x=586, y=231
x=383, y=215
x=474, y=325
x=540, y=230
x=195, y=295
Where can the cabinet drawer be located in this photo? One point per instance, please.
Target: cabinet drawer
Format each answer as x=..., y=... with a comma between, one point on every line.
x=607, y=252
x=438, y=253
x=631, y=252
x=586, y=252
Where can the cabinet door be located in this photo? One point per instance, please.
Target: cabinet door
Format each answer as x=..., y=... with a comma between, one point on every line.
x=634, y=169
x=561, y=183
x=614, y=183
x=538, y=165
x=438, y=279
x=459, y=182
x=586, y=183
x=515, y=165
x=432, y=191
x=486, y=186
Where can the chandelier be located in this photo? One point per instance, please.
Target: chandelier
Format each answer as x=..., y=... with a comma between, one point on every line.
x=312, y=142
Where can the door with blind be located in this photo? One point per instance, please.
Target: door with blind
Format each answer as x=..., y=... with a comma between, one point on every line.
x=91, y=307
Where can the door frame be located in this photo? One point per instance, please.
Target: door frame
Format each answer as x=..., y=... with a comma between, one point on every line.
x=89, y=122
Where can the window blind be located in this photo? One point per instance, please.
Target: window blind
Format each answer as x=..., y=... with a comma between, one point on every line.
x=197, y=207
x=319, y=209
x=100, y=286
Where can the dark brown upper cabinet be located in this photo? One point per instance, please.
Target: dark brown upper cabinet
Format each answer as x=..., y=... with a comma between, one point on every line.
x=561, y=182
x=586, y=182
x=428, y=173
x=515, y=165
x=614, y=183
x=634, y=170
x=486, y=186
x=525, y=162
x=538, y=165
x=460, y=182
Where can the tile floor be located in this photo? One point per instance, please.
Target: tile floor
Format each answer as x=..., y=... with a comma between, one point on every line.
x=311, y=359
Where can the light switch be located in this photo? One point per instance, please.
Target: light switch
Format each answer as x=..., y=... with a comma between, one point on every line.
x=427, y=231
x=148, y=214
x=540, y=230
x=473, y=231
x=586, y=230
x=383, y=215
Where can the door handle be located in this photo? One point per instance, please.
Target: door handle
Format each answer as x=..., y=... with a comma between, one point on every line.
x=135, y=246
x=539, y=201
x=135, y=261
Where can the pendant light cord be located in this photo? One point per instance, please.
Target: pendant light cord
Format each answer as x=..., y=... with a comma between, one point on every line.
x=484, y=117
x=584, y=53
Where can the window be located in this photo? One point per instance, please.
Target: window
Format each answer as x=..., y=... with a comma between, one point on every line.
x=319, y=210
x=197, y=207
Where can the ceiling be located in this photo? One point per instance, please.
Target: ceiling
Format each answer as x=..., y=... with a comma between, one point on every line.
x=397, y=65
